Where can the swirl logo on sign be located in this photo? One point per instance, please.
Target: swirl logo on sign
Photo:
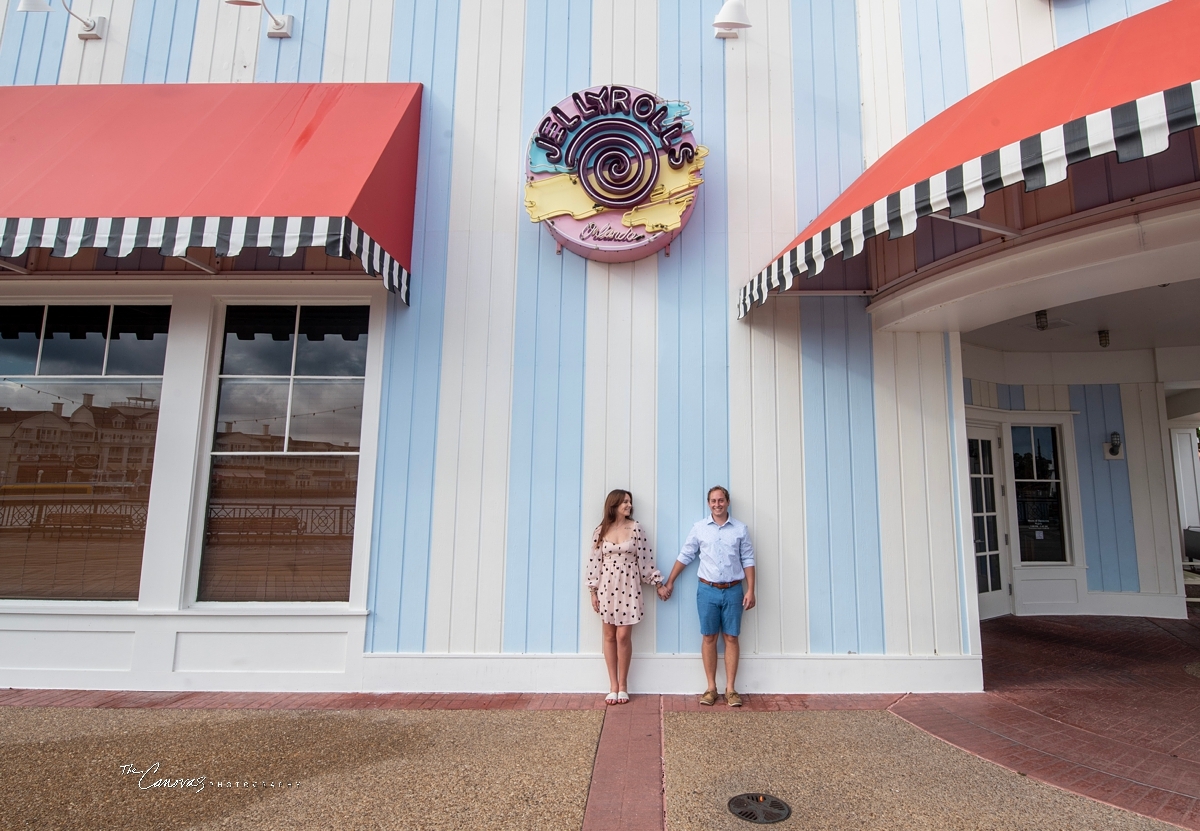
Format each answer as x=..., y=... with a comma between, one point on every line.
x=613, y=172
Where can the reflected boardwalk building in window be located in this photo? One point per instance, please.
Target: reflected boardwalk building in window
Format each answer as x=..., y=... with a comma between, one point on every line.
x=316, y=374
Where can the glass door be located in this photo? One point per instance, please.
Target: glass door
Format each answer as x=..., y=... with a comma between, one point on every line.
x=992, y=575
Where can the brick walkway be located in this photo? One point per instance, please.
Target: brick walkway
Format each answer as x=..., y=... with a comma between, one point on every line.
x=1097, y=706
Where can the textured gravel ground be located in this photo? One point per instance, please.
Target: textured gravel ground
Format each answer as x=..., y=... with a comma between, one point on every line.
x=857, y=770
x=470, y=769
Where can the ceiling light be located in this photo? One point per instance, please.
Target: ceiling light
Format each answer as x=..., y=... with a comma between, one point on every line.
x=1041, y=320
x=1104, y=339
x=93, y=28
x=279, y=27
x=730, y=18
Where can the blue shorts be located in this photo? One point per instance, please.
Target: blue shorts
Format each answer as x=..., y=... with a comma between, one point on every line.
x=720, y=609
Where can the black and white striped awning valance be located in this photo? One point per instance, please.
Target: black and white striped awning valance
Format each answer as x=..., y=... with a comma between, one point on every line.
x=227, y=235
x=1134, y=130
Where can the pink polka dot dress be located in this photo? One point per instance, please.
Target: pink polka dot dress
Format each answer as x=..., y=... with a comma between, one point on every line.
x=616, y=572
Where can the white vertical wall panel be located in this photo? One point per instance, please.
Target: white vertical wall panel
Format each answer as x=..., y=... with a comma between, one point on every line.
x=358, y=40
x=466, y=576
x=1149, y=480
x=766, y=453
x=225, y=45
x=620, y=390
x=919, y=547
x=96, y=61
x=881, y=76
x=1002, y=35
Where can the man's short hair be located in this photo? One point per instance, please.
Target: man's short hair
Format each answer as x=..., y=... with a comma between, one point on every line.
x=720, y=488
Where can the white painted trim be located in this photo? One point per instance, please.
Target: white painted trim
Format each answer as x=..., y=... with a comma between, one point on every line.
x=673, y=674
x=1118, y=604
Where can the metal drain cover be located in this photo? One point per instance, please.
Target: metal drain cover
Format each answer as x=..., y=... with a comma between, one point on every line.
x=1193, y=669
x=759, y=808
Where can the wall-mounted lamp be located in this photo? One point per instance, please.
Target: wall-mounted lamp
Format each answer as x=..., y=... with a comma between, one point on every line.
x=279, y=27
x=1114, y=450
x=730, y=18
x=1104, y=339
x=93, y=28
x=1042, y=321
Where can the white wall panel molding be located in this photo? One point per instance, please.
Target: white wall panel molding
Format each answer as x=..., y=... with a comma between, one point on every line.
x=881, y=73
x=673, y=674
x=620, y=392
x=1002, y=35
x=1057, y=369
x=97, y=61
x=225, y=44
x=358, y=41
x=252, y=648
x=766, y=445
x=470, y=503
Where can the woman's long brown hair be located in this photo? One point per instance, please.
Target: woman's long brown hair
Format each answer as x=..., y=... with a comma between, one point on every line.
x=614, y=500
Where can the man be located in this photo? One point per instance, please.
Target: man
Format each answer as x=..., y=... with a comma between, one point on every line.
x=726, y=589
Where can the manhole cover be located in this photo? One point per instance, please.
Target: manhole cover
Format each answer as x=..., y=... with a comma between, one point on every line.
x=759, y=808
x=1193, y=669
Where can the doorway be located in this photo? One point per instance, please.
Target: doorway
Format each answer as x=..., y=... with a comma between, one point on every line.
x=989, y=522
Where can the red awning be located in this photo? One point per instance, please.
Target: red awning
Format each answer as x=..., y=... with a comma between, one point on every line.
x=1125, y=88
x=277, y=166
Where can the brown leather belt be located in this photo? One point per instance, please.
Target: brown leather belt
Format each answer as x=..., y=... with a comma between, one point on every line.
x=719, y=585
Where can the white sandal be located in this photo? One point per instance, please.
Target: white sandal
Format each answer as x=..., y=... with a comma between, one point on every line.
x=622, y=697
x=611, y=698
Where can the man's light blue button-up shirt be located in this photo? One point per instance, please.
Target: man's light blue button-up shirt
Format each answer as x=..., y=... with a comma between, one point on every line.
x=725, y=550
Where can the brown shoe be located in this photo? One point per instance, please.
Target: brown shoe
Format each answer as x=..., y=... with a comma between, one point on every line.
x=709, y=698
x=733, y=699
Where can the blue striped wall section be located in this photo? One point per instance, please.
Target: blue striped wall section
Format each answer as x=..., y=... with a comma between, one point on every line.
x=31, y=49
x=693, y=316
x=424, y=50
x=841, y=493
x=825, y=81
x=297, y=59
x=1075, y=18
x=1107, y=506
x=935, y=57
x=160, y=41
x=543, y=560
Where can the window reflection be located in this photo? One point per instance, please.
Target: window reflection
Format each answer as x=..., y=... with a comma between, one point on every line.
x=333, y=340
x=138, y=342
x=75, y=465
x=326, y=415
x=251, y=414
x=1038, y=489
x=20, y=328
x=258, y=340
x=74, y=340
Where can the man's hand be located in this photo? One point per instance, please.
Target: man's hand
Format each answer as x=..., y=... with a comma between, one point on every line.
x=748, y=600
x=595, y=603
x=664, y=592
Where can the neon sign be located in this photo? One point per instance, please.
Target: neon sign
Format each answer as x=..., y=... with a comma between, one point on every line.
x=613, y=172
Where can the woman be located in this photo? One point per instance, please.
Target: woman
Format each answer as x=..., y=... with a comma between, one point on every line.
x=620, y=560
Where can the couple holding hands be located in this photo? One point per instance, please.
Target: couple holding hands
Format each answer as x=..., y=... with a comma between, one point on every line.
x=621, y=559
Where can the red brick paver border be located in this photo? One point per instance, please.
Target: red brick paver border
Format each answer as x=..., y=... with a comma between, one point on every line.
x=627, y=778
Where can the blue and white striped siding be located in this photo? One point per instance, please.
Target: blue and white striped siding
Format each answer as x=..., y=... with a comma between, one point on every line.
x=693, y=316
x=1107, y=506
x=935, y=60
x=472, y=468
x=1075, y=18
x=160, y=41
x=1045, y=397
x=424, y=49
x=841, y=492
x=297, y=59
x=621, y=338
x=31, y=47
x=544, y=561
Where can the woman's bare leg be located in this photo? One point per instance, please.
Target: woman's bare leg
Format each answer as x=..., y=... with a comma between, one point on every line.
x=610, y=655
x=624, y=655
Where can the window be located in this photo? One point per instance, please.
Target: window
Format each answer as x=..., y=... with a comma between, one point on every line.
x=284, y=474
x=1038, y=483
x=79, y=389
x=983, y=516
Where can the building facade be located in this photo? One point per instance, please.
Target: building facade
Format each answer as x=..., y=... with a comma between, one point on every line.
x=251, y=465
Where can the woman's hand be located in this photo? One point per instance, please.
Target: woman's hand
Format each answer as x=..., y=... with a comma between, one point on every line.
x=595, y=603
x=664, y=592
